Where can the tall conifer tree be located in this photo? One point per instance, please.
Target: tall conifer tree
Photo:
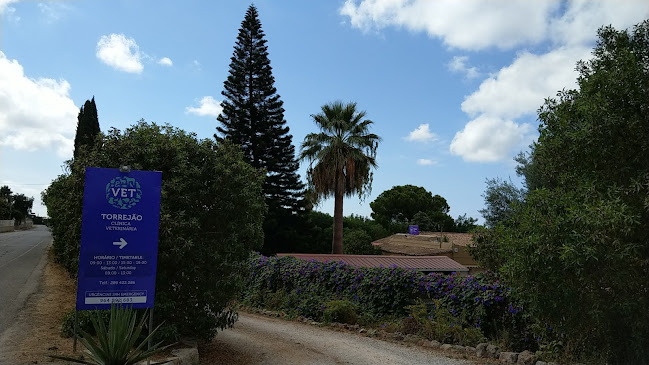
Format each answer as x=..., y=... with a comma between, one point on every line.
x=253, y=117
x=87, y=126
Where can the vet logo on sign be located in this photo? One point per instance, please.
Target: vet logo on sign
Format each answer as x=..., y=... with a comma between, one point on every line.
x=123, y=192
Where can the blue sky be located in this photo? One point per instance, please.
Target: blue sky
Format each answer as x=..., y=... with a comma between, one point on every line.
x=452, y=86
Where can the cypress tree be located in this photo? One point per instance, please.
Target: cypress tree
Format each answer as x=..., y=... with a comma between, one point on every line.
x=87, y=126
x=253, y=117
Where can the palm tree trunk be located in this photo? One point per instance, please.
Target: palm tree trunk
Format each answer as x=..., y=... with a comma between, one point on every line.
x=337, y=243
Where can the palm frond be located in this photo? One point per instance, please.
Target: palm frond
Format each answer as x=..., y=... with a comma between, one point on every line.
x=343, y=153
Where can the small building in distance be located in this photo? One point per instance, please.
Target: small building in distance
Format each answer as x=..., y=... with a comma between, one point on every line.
x=451, y=244
x=425, y=264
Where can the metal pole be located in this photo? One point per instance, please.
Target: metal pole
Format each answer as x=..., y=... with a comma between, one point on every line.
x=148, y=361
x=76, y=329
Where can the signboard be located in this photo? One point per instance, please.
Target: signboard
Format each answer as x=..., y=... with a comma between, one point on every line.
x=414, y=230
x=119, y=238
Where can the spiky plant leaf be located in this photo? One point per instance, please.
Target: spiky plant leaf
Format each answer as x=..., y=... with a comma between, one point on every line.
x=117, y=344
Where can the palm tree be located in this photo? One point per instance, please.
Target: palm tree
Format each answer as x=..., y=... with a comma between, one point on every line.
x=340, y=158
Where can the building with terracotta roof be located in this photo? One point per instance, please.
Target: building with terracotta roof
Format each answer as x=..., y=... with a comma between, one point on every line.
x=425, y=264
x=452, y=245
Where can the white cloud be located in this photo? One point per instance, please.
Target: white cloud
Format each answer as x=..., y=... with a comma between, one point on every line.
x=208, y=107
x=165, y=61
x=479, y=24
x=579, y=23
x=53, y=11
x=488, y=139
x=120, y=52
x=567, y=30
x=458, y=64
x=467, y=24
x=426, y=162
x=422, y=134
x=515, y=91
x=35, y=113
x=4, y=3
x=196, y=66
x=10, y=14
x=521, y=87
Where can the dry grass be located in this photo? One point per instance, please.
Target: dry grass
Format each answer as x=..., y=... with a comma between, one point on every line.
x=217, y=353
x=37, y=332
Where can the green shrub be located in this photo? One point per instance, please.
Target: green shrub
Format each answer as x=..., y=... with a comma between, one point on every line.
x=277, y=300
x=358, y=242
x=84, y=321
x=341, y=311
x=435, y=322
x=481, y=303
x=119, y=342
x=211, y=213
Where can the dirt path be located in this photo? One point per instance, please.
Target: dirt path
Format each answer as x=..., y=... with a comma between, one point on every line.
x=257, y=339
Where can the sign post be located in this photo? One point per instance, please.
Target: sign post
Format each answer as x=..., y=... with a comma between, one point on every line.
x=119, y=238
x=413, y=229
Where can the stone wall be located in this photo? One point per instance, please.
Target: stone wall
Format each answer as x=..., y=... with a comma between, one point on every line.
x=28, y=223
x=6, y=225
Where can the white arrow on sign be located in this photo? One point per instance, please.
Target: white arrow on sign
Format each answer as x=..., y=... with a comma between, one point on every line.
x=122, y=242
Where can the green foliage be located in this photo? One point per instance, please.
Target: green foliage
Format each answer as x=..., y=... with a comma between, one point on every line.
x=464, y=224
x=87, y=127
x=5, y=192
x=401, y=203
x=64, y=202
x=341, y=311
x=576, y=252
x=358, y=242
x=84, y=319
x=21, y=207
x=500, y=198
x=434, y=221
x=486, y=249
x=436, y=322
x=5, y=209
x=253, y=117
x=341, y=158
x=529, y=171
x=117, y=343
x=211, y=216
x=305, y=287
x=424, y=222
x=5, y=202
x=374, y=230
x=320, y=232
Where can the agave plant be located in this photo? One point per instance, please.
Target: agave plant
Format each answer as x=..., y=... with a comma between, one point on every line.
x=117, y=344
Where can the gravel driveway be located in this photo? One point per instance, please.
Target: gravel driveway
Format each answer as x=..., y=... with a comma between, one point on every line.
x=257, y=339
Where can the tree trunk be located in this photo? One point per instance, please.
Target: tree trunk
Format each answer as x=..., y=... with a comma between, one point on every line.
x=337, y=243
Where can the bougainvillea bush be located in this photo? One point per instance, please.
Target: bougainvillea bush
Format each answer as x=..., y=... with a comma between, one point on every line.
x=304, y=288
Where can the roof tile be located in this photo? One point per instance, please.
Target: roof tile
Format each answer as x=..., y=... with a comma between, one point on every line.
x=420, y=263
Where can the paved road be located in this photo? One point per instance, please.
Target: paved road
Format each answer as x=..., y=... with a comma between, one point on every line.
x=22, y=258
x=258, y=339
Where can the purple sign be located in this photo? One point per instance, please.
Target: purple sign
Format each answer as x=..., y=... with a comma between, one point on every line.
x=119, y=238
x=414, y=230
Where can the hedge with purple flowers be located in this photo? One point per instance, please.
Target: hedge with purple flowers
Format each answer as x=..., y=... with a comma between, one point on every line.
x=480, y=301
